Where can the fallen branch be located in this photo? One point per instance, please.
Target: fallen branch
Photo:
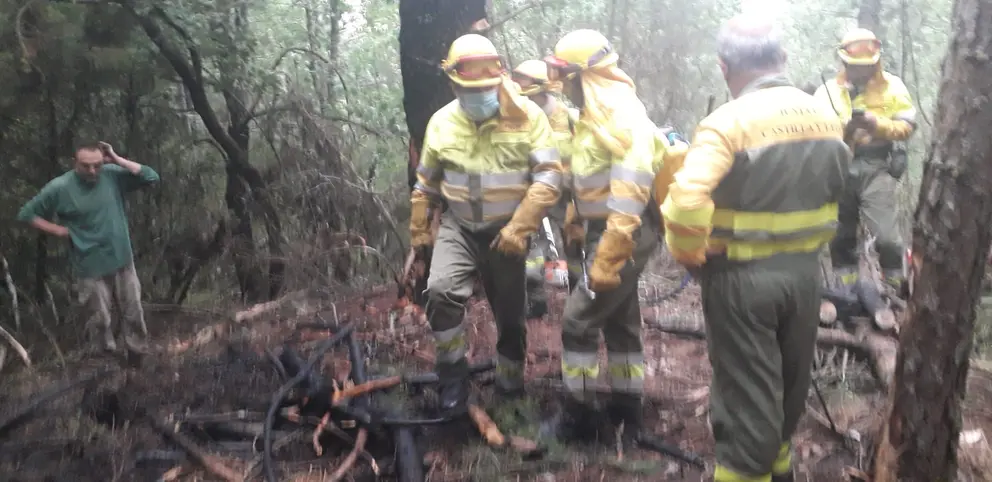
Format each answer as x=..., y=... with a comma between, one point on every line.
x=486, y=426
x=337, y=432
x=325, y=346
x=315, y=439
x=485, y=28
x=50, y=299
x=9, y=280
x=16, y=345
x=212, y=463
x=349, y=461
x=262, y=308
x=495, y=437
x=239, y=415
x=341, y=396
x=878, y=348
x=21, y=415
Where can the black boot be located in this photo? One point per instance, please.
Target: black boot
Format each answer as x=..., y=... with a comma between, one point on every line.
x=626, y=409
x=788, y=477
x=453, y=385
x=537, y=308
x=577, y=422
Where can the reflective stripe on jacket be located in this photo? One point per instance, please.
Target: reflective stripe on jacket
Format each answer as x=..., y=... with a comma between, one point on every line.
x=484, y=171
x=885, y=96
x=762, y=176
x=604, y=183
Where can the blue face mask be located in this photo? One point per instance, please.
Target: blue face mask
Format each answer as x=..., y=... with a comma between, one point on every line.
x=479, y=106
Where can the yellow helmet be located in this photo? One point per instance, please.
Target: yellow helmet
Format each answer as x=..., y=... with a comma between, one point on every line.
x=473, y=62
x=860, y=47
x=535, y=71
x=580, y=50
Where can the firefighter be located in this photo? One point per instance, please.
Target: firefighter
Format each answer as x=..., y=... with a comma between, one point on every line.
x=612, y=217
x=750, y=209
x=879, y=155
x=491, y=156
x=532, y=78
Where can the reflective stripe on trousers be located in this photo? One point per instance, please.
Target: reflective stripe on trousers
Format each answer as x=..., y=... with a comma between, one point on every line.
x=450, y=345
x=509, y=373
x=626, y=372
x=579, y=370
x=781, y=466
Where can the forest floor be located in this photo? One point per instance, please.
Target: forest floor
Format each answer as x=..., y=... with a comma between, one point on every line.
x=204, y=366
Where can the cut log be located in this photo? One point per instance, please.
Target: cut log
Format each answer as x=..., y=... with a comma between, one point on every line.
x=828, y=313
x=215, y=465
x=879, y=349
x=486, y=426
x=262, y=308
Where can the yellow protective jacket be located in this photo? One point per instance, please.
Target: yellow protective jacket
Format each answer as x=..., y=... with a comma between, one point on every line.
x=762, y=176
x=562, y=120
x=484, y=172
x=886, y=97
x=611, y=187
x=561, y=130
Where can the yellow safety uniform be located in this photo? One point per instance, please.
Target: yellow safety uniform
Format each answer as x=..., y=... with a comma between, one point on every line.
x=753, y=203
x=498, y=177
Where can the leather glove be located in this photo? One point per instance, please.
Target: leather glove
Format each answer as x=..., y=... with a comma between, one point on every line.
x=420, y=223
x=575, y=235
x=514, y=238
x=614, y=249
x=510, y=244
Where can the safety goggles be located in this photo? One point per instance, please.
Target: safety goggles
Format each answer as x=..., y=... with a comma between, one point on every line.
x=567, y=70
x=862, y=49
x=476, y=67
x=517, y=77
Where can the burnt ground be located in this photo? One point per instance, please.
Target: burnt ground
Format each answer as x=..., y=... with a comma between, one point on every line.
x=204, y=366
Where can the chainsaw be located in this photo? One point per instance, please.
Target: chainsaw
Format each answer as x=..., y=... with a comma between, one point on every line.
x=556, y=267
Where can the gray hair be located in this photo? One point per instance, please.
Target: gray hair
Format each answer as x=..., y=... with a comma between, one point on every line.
x=750, y=42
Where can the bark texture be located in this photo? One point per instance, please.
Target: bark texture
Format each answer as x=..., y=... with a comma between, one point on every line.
x=951, y=235
x=870, y=17
x=427, y=28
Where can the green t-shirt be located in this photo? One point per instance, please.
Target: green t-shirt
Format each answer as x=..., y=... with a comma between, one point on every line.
x=94, y=215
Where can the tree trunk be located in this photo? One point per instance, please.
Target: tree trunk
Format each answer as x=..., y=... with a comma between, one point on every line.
x=244, y=183
x=427, y=28
x=870, y=17
x=951, y=236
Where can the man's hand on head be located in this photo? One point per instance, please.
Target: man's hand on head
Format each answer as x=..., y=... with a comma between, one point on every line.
x=108, y=152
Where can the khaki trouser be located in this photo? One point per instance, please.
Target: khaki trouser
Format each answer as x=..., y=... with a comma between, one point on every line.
x=869, y=195
x=616, y=314
x=761, y=322
x=458, y=255
x=96, y=297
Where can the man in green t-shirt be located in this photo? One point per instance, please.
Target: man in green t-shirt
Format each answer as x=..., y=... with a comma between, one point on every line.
x=88, y=203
